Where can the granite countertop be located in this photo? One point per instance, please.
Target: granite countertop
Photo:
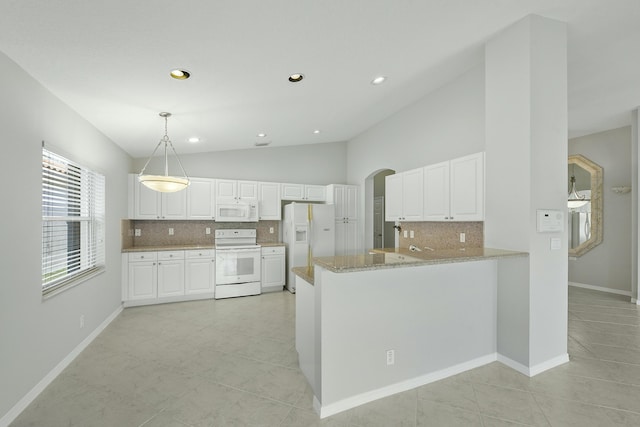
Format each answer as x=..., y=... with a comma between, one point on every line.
x=397, y=258
x=184, y=247
x=305, y=273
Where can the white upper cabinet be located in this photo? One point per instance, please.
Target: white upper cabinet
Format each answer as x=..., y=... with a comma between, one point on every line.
x=436, y=192
x=454, y=190
x=150, y=204
x=269, y=199
x=467, y=188
x=404, y=195
x=235, y=189
x=201, y=198
x=303, y=192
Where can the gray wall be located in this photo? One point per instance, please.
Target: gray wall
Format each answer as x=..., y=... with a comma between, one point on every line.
x=302, y=164
x=36, y=335
x=608, y=265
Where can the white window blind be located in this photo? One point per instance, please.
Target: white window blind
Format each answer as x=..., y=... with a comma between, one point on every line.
x=72, y=222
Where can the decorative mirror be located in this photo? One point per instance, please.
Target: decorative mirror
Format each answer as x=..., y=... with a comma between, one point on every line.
x=585, y=205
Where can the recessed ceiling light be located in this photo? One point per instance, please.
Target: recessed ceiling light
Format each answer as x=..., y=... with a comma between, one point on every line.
x=294, y=78
x=261, y=135
x=194, y=139
x=179, y=74
x=378, y=80
x=317, y=131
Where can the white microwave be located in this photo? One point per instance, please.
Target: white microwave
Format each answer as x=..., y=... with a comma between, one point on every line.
x=230, y=210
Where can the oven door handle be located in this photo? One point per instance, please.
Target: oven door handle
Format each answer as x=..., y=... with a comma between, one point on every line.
x=238, y=250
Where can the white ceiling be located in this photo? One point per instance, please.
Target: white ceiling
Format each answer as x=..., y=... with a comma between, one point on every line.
x=110, y=62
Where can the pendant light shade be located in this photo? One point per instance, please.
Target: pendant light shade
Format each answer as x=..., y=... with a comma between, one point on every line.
x=164, y=183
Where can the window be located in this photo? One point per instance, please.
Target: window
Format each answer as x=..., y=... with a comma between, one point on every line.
x=72, y=222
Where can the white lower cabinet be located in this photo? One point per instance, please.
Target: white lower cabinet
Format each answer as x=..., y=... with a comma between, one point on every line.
x=143, y=276
x=200, y=272
x=273, y=269
x=168, y=276
x=170, y=273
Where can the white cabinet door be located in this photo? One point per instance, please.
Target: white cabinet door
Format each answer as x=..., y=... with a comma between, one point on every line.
x=269, y=201
x=393, y=193
x=201, y=199
x=199, y=274
x=170, y=278
x=248, y=190
x=350, y=202
x=436, y=192
x=412, y=194
x=174, y=205
x=273, y=272
x=147, y=202
x=315, y=193
x=347, y=242
x=226, y=188
x=292, y=191
x=142, y=280
x=467, y=188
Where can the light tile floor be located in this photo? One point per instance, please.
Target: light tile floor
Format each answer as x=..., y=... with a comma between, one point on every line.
x=233, y=363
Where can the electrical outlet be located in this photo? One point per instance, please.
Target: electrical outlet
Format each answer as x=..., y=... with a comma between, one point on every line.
x=138, y=232
x=404, y=233
x=391, y=357
x=462, y=238
x=208, y=230
x=81, y=321
x=411, y=234
x=171, y=232
x=271, y=230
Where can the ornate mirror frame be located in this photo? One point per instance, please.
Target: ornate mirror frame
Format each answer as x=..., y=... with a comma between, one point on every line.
x=597, y=173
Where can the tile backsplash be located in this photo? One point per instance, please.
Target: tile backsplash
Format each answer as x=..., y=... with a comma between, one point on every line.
x=442, y=235
x=156, y=233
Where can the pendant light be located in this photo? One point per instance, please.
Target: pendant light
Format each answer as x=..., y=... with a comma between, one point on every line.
x=576, y=200
x=164, y=183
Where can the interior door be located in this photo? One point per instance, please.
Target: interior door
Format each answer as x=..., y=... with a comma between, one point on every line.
x=378, y=222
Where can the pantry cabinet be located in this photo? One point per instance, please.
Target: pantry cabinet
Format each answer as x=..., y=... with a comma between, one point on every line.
x=345, y=201
x=454, y=190
x=404, y=195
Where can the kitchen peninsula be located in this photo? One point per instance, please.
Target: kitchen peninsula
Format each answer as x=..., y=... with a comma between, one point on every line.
x=375, y=324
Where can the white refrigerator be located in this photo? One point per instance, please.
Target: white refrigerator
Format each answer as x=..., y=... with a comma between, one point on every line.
x=309, y=232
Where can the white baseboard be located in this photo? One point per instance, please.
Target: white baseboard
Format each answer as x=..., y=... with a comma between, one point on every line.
x=17, y=409
x=536, y=369
x=360, y=399
x=601, y=289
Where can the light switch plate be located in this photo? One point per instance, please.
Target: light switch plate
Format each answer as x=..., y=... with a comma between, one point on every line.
x=556, y=243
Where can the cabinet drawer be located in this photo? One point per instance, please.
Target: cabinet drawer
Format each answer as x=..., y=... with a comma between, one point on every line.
x=200, y=253
x=142, y=256
x=273, y=250
x=166, y=255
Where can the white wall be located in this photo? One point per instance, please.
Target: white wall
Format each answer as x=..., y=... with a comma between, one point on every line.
x=303, y=164
x=608, y=265
x=447, y=123
x=35, y=335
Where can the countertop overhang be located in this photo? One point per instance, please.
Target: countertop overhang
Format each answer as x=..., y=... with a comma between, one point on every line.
x=400, y=258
